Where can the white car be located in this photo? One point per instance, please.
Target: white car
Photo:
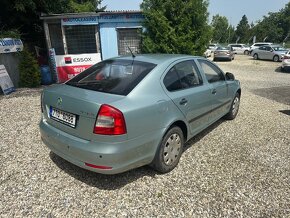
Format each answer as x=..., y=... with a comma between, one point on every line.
x=240, y=48
x=286, y=61
x=213, y=47
x=257, y=45
x=207, y=53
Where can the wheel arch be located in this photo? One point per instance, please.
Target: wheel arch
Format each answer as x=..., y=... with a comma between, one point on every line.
x=181, y=124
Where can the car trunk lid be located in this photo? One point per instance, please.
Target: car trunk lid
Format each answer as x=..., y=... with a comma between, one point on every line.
x=64, y=103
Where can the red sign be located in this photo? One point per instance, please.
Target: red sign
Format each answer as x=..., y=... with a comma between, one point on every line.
x=67, y=72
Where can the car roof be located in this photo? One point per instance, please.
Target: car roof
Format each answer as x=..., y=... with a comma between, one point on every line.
x=155, y=58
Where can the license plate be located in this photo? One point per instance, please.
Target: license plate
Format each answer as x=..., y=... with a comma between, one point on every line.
x=63, y=117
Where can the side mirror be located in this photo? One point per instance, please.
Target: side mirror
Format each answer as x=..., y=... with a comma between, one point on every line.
x=230, y=76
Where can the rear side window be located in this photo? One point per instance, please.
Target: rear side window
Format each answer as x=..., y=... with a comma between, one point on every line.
x=182, y=76
x=112, y=76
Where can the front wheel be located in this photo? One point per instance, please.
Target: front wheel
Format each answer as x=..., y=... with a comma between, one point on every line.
x=169, y=151
x=234, y=108
x=246, y=52
x=256, y=57
x=276, y=58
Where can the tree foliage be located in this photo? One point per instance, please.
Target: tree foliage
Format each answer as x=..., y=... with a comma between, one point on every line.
x=28, y=70
x=175, y=26
x=23, y=15
x=243, y=30
x=274, y=27
x=220, y=26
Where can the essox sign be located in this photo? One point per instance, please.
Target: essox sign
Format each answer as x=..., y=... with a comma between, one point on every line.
x=70, y=65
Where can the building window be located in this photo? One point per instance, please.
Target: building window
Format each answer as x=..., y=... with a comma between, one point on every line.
x=81, y=39
x=129, y=38
x=56, y=39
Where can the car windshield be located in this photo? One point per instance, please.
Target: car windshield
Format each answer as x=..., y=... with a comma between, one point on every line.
x=112, y=76
x=279, y=49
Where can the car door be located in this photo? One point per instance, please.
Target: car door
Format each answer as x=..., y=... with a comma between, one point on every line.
x=220, y=98
x=268, y=53
x=185, y=87
x=261, y=52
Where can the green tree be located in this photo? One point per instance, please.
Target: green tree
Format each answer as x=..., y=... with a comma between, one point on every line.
x=28, y=70
x=23, y=15
x=220, y=26
x=175, y=26
x=269, y=29
x=243, y=29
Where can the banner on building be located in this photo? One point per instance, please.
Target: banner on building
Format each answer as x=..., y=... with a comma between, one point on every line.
x=8, y=45
x=79, y=21
x=5, y=81
x=69, y=66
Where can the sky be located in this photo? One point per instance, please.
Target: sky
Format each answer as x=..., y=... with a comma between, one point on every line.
x=232, y=9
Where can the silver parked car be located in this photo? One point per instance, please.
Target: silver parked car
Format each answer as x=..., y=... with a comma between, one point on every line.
x=224, y=53
x=257, y=45
x=269, y=52
x=286, y=62
x=240, y=48
x=131, y=111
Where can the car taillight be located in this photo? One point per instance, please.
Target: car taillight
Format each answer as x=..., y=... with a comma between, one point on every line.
x=286, y=57
x=110, y=121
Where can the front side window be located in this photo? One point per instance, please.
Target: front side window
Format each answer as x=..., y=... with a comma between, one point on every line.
x=118, y=77
x=183, y=75
x=212, y=72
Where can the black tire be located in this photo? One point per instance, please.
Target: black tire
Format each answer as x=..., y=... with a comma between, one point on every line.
x=256, y=57
x=276, y=58
x=246, y=52
x=234, y=108
x=173, y=142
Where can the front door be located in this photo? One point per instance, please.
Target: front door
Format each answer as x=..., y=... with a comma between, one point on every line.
x=189, y=93
x=220, y=98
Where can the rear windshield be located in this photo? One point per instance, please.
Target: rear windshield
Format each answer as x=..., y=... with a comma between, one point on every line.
x=112, y=76
x=224, y=48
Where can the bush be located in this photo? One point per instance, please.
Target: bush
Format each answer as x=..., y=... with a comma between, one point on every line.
x=29, y=70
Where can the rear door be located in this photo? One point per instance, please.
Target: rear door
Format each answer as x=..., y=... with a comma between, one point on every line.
x=186, y=88
x=219, y=91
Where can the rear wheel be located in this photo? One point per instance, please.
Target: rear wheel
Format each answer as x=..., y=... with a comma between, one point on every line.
x=276, y=58
x=256, y=57
x=234, y=108
x=169, y=151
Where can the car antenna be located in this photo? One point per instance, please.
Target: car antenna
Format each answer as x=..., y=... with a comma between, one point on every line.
x=133, y=56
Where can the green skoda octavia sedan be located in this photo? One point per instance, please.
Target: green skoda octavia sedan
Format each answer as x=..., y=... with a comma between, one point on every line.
x=127, y=112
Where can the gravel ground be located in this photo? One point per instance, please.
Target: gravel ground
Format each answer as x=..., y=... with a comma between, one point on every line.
x=237, y=168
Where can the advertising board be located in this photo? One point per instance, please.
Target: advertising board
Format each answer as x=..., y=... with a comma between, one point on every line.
x=70, y=65
x=5, y=81
x=9, y=45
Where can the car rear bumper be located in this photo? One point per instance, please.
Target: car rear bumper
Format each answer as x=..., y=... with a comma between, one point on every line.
x=121, y=156
x=223, y=57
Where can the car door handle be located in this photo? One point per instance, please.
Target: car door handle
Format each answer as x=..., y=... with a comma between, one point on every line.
x=213, y=91
x=183, y=101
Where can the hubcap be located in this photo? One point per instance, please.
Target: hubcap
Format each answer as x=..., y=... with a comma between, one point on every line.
x=172, y=149
x=236, y=105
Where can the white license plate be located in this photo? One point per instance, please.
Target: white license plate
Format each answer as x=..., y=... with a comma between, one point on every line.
x=63, y=117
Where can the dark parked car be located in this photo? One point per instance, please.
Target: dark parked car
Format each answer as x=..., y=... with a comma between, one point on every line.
x=127, y=112
x=224, y=53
